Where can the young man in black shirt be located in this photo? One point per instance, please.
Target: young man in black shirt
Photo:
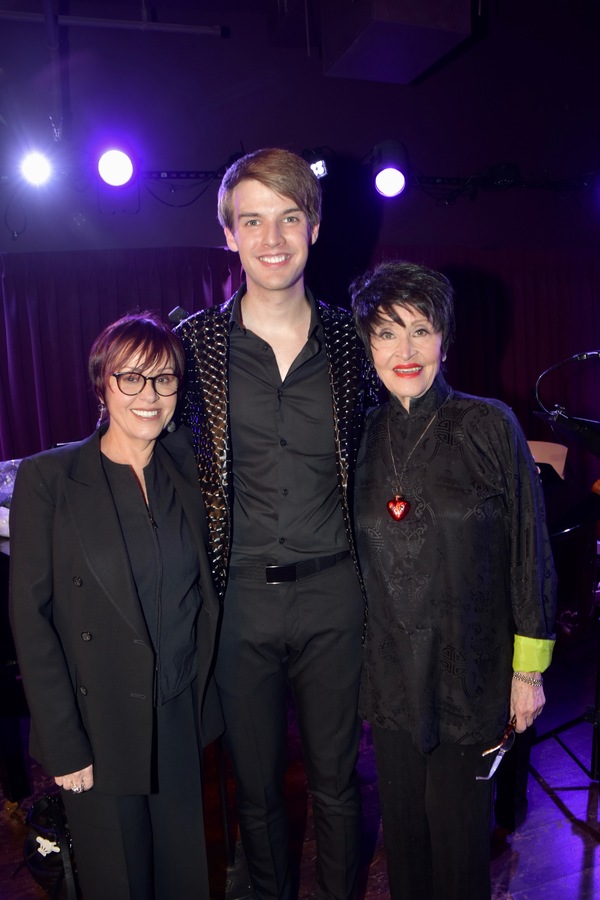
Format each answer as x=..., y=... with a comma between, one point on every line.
x=278, y=385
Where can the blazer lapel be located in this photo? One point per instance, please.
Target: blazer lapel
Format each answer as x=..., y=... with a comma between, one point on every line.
x=181, y=467
x=99, y=531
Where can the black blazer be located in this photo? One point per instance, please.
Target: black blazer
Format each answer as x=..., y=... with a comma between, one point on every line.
x=84, y=651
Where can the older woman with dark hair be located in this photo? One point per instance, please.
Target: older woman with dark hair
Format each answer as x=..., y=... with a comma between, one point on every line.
x=459, y=578
x=114, y=617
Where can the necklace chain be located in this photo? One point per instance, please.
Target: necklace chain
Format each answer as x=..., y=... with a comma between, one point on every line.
x=398, y=485
x=399, y=507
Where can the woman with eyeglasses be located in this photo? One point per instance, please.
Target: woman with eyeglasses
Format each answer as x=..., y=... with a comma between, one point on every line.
x=114, y=617
x=460, y=585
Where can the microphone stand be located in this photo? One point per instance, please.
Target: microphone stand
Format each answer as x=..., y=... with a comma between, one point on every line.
x=588, y=432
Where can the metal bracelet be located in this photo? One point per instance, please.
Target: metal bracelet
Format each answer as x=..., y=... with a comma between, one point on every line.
x=526, y=679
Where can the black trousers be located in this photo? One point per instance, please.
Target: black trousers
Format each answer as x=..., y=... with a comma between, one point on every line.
x=306, y=634
x=436, y=818
x=147, y=847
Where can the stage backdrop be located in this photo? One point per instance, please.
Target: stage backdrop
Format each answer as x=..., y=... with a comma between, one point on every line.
x=518, y=313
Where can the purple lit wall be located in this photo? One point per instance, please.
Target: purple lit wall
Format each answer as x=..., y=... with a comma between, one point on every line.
x=523, y=94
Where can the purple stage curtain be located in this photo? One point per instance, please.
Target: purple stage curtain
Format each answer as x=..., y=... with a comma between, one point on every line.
x=518, y=313
x=53, y=305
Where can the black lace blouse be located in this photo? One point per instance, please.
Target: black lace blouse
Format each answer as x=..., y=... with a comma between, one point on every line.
x=451, y=584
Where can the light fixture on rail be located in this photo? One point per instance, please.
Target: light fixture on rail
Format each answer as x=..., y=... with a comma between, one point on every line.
x=316, y=160
x=389, y=162
x=115, y=167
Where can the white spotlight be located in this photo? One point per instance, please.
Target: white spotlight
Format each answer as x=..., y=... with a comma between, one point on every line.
x=390, y=168
x=115, y=168
x=390, y=182
x=316, y=160
x=319, y=167
x=36, y=169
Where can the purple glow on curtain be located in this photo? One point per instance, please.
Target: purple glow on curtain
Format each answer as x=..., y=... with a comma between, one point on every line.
x=52, y=307
x=518, y=313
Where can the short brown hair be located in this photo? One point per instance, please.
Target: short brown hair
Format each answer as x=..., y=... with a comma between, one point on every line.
x=137, y=334
x=282, y=171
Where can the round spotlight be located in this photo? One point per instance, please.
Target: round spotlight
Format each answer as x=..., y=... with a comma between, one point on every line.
x=115, y=168
x=390, y=182
x=36, y=169
x=390, y=168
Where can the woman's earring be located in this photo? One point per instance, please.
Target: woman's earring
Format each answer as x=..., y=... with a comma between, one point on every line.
x=101, y=411
x=171, y=426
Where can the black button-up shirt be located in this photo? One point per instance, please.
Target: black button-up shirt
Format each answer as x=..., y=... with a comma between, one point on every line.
x=165, y=567
x=287, y=501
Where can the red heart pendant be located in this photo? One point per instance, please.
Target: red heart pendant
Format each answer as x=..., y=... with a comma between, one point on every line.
x=398, y=508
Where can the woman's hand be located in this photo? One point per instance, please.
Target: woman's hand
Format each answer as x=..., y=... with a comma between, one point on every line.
x=77, y=782
x=526, y=701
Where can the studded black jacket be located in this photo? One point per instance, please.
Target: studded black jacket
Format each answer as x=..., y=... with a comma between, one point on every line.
x=205, y=336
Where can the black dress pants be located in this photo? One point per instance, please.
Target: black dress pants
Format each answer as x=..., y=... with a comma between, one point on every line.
x=147, y=847
x=436, y=818
x=307, y=634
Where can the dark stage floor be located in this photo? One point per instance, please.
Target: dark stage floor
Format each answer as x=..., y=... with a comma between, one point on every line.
x=550, y=856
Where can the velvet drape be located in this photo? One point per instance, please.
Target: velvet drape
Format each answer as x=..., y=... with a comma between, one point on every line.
x=53, y=305
x=518, y=313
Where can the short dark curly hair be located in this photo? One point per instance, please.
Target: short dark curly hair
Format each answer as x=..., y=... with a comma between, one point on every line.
x=400, y=283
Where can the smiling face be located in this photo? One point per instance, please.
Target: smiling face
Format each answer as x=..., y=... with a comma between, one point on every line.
x=272, y=236
x=407, y=354
x=137, y=421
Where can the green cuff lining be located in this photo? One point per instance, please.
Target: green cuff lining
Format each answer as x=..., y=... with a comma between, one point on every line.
x=531, y=654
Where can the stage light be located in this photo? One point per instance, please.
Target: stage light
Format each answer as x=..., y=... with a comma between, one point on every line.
x=390, y=182
x=36, y=169
x=389, y=163
x=316, y=160
x=115, y=168
x=319, y=167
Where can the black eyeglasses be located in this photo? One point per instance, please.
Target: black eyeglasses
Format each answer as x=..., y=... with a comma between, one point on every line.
x=132, y=383
x=503, y=746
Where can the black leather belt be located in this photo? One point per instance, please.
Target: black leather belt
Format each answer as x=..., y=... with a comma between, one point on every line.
x=291, y=572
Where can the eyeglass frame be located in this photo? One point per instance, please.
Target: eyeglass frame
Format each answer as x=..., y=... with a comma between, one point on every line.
x=147, y=378
x=501, y=747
